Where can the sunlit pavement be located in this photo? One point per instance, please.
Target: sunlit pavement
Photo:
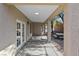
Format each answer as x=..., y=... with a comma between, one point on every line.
x=39, y=46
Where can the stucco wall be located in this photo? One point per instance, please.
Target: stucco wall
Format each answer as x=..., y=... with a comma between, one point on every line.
x=36, y=28
x=71, y=30
x=8, y=16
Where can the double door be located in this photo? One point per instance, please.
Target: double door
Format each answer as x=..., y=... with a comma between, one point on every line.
x=21, y=32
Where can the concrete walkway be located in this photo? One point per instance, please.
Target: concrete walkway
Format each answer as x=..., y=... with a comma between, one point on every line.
x=38, y=46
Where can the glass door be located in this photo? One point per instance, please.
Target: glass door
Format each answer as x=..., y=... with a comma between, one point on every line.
x=18, y=33
x=21, y=33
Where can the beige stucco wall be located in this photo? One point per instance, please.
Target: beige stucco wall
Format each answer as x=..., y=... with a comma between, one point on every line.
x=71, y=29
x=28, y=31
x=8, y=16
x=36, y=28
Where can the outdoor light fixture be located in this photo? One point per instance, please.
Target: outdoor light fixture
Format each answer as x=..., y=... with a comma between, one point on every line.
x=36, y=13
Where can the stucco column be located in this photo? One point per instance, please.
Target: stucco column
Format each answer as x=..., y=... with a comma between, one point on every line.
x=44, y=28
x=49, y=30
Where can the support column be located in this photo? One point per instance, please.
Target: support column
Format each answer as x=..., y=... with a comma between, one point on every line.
x=49, y=30
x=44, y=28
x=71, y=30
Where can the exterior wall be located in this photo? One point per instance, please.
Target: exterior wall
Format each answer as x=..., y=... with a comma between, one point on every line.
x=29, y=34
x=71, y=31
x=8, y=16
x=36, y=28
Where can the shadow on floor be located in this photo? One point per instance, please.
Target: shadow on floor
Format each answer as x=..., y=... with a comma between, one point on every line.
x=38, y=46
x=33, y=47
x=59, y=44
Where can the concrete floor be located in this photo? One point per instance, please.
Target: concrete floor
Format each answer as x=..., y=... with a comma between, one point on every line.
x=59, y=44
x=38, y=46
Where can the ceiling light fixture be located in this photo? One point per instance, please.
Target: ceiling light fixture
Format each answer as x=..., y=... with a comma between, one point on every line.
x=36, y=13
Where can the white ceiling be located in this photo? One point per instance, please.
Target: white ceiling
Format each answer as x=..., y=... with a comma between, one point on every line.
x=44, y=11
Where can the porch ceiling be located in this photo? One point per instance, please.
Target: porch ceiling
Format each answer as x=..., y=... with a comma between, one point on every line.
x=37, y=12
